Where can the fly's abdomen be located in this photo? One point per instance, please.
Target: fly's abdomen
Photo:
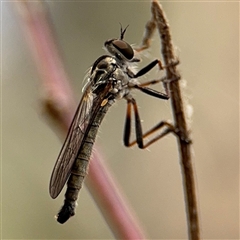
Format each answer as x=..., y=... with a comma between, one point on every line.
x=79, y=169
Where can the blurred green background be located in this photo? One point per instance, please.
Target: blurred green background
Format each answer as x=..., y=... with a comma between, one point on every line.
x=207, y=38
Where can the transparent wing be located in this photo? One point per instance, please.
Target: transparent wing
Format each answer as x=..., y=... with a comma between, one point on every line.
x=68, y=153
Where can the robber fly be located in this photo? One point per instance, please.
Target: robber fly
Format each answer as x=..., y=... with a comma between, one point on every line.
x=110, y=78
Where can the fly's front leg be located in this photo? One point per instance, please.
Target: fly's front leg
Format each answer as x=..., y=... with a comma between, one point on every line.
x=147, y=68
x=131, y=104
x=149, y=31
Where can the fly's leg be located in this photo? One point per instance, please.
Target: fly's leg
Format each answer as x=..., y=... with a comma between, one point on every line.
x=149, y=31
x=151, y=65
x=168, y=128
x=131, y=103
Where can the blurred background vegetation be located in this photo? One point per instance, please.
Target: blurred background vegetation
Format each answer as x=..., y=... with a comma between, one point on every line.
x=207, y=38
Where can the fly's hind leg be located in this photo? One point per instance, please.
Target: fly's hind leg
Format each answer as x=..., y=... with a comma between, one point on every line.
x=140, y=136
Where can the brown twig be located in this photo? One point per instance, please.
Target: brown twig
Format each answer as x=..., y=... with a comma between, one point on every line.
x=172, y=86
x=59, y=104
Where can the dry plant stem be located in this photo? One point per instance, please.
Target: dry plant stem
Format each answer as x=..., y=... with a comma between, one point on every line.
x=59, y=105
x=184, y=143
x=172, y=85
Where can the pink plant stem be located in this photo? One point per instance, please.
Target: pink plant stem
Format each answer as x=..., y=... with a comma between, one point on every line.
x=110, y=200
x=59, y=105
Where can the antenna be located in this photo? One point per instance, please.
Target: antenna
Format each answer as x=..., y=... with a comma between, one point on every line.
x=122, y=31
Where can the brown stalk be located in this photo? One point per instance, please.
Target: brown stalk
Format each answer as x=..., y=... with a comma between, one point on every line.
x=172, y=87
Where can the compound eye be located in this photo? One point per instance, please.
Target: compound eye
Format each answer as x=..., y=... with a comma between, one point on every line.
x=124, y=48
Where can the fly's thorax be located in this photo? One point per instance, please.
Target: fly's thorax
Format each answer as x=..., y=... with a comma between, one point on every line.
x=102, y=69
x=101, y=72
x=108, y=69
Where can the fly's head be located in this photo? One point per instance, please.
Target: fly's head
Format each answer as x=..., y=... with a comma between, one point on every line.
x=120, y=48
